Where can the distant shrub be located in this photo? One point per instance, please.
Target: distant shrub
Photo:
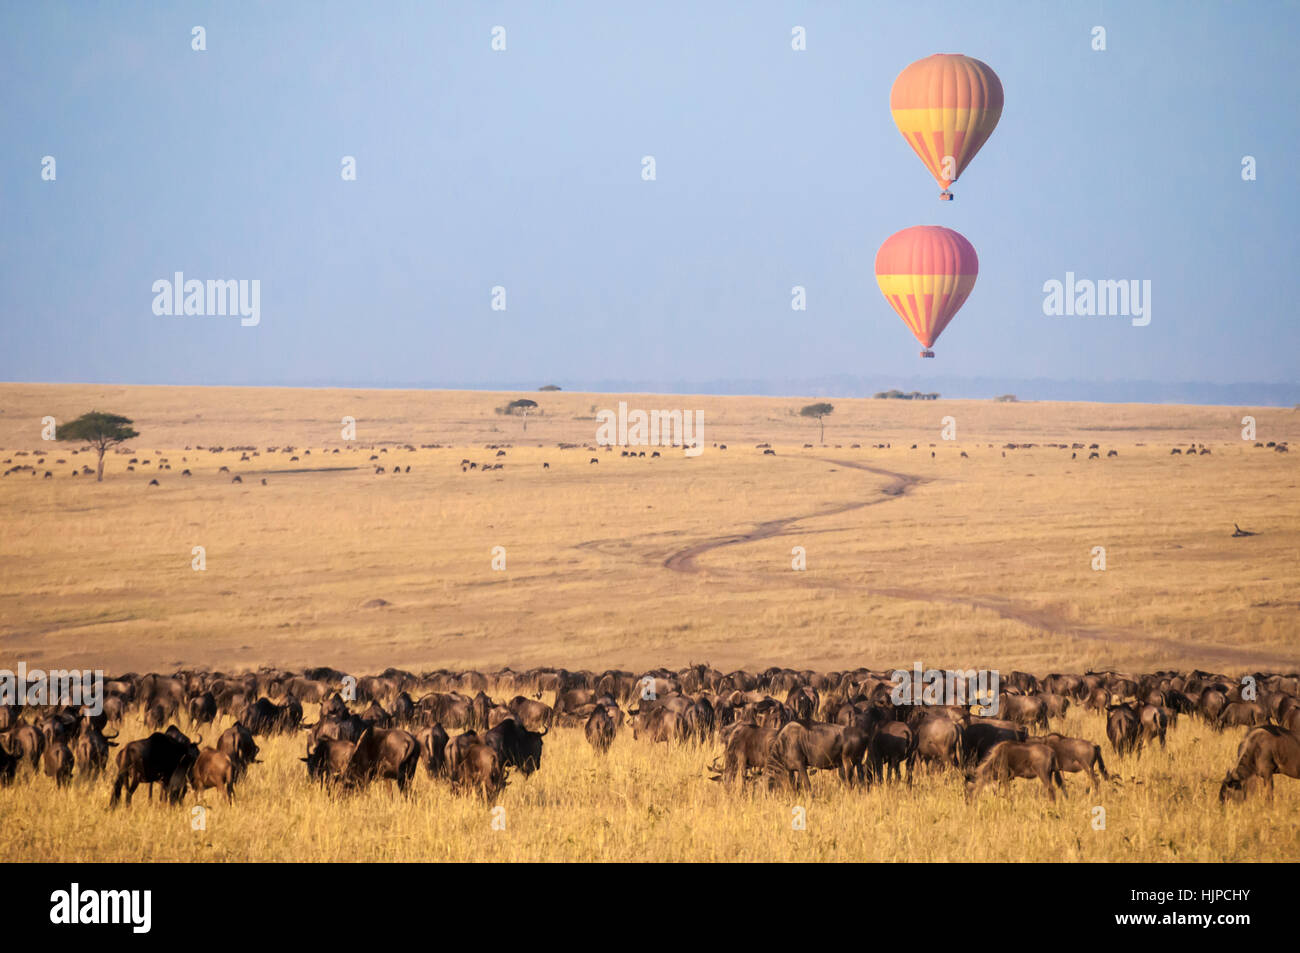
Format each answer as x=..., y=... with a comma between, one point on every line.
x=903, y=395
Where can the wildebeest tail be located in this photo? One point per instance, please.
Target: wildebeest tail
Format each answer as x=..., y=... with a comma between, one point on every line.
x=1101, y=765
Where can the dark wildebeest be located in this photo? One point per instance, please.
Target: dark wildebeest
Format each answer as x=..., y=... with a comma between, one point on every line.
x=803, y=702
x=160, y=757
x=376, y=716
x=479, y=769
x=1015, y=759
x=391, y=753
x=1024, y=709
x=237, y=744
x=516, y=745
x=433, y=749
x=58, y=762
x=1211, y=702
x=26, y=743
x=265, y=717
x=1154, y=724
x=92, y=750
x=456, y=747
x=531, y=713
x=745, y=748
x=660, y=723
x=1264, y=752
x=937, y=740
x=801, y=745
x=600, y=729
x=1076, y=754
x=1123, y=728
x=891, y=744
x=8, y=764
x=203, y=709
x=1249, y=714
x=155, y=716
x=337, y=729
x=327, y=759
x=978, y=739
x=213, y=769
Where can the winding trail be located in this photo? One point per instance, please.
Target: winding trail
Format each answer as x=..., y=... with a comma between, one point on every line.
x=684, y=560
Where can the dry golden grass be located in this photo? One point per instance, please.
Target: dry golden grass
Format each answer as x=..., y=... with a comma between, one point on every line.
x=649, y=801
x=986, y=561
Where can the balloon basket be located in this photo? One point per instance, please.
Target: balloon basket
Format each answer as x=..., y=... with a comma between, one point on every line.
x=945, y=196
x=927, y=353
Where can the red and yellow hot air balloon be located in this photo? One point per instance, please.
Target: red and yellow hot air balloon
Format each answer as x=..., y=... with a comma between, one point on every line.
x=926, y=273
x=946, y=106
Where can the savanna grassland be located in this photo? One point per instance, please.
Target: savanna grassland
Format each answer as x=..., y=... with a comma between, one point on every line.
x=912, y=555
x=948, y=560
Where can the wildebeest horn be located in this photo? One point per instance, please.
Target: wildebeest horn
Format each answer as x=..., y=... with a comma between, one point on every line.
x=199, y=741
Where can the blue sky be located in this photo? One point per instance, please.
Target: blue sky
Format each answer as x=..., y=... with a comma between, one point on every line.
x=522, y=168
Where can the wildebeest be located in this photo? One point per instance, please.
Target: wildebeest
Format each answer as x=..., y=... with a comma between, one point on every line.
x=1075, y=754
x=937, y=740
x=978, y=739
x=160, y=757
x=213, y=769
x=92, y=750
x=479, y=769
x=1024, y=709
x=327, y=759
x=532, y=714
x=1250, y=714
x=202, y=709
x=26, y=743
x=1015, y=759
x=745, y=748
x=600, y=729
x=237, y=743
x=8, y=765
x=890, y=745
x=264, y=717
x=433, y=749
x=1123, y=728
x=1264, y=752
x=801, y=745
x=391, y=753
x=58, y=762
x=516, y=745
x=1154, y=723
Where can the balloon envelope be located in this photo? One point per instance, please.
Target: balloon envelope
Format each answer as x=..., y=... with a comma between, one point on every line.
x=926, y=273
x=946, y=106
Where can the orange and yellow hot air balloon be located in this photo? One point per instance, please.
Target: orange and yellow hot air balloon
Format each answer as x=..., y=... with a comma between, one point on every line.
x=946, y=106
x=926, y=273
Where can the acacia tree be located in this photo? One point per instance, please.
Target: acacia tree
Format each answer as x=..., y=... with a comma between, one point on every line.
x=521, y=407
x=98, y=429
x=819, y=411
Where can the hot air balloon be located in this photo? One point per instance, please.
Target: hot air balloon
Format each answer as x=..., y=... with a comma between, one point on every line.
x=926, y=273
x=946, y=106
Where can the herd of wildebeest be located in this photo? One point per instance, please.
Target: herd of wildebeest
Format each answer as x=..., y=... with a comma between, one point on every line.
x=470, y=729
